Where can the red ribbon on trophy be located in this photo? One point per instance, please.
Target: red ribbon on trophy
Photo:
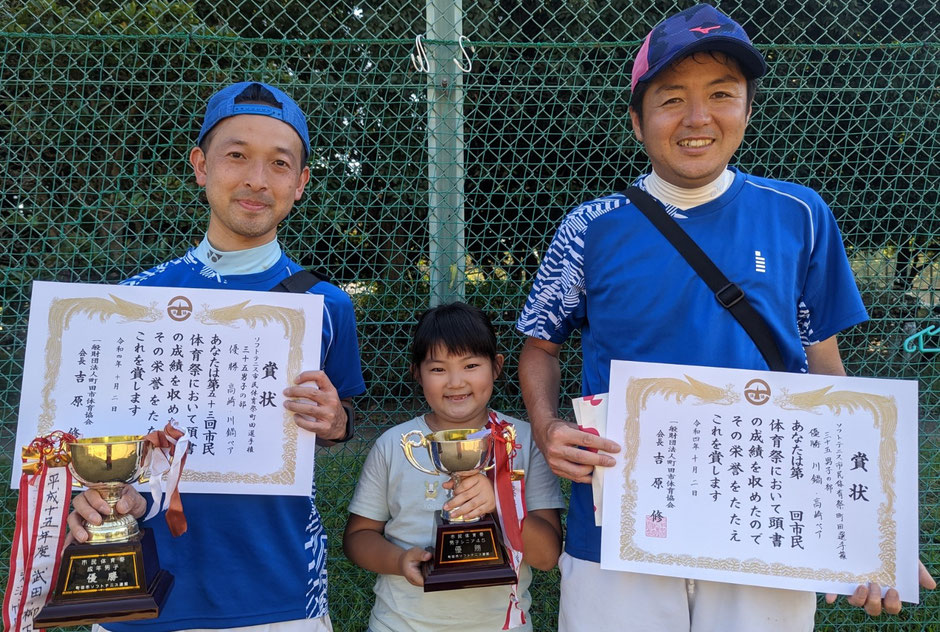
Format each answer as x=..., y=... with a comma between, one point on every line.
x=510, y=505
x=168, y=443
x=41, y=513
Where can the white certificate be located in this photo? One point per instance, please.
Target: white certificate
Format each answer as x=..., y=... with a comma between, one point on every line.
x=805, y=482
x=117, y=360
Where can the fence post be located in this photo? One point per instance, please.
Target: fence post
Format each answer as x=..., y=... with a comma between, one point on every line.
x=445, y=153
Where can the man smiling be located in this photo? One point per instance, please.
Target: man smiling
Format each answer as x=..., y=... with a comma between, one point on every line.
x=612, y=275
x=252, y=563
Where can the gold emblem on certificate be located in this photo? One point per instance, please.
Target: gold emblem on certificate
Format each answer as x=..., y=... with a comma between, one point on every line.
x=467, y=552
x=116, y=574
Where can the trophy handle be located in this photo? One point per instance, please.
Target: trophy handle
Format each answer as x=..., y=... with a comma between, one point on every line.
x=145, y=461
x=407, y=445
x=511, y=431
x=510, y=434
x=75, y=481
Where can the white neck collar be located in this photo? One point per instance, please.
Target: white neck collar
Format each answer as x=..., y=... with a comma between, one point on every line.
x=687, y=198
x=248, y=261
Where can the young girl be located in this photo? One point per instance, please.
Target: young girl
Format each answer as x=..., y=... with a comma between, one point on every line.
x=391, y=519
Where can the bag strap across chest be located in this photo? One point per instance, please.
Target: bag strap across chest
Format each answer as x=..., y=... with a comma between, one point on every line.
x=728, y=294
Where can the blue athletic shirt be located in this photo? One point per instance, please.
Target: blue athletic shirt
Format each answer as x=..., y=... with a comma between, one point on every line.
x=248, y=560
x=611, y=274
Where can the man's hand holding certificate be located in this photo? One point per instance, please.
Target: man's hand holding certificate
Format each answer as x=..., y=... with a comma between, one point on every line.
x=804, y=482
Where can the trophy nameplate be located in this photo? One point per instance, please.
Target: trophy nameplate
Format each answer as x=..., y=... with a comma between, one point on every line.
x=467, y=555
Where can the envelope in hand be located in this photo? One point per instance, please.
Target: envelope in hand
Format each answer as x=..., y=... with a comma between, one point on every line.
x=591, y=414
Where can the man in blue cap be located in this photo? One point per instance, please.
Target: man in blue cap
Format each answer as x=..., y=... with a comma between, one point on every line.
x=250, y=562
x=612, y=275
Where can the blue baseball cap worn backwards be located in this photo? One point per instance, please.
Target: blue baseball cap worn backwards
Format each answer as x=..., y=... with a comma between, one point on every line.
x=701, y=28
x=223, y=104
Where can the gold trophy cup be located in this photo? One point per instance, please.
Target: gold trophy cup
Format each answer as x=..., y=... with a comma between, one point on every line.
x=116, y=574
x=467, y=552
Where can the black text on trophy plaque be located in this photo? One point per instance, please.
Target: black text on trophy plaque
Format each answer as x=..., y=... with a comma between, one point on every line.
x=467, y=555
x=114, y=581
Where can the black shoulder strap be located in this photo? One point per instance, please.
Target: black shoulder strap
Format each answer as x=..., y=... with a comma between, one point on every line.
x=729, y=295
x=300, y=282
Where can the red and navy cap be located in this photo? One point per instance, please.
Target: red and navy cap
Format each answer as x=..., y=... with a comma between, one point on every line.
x=701, y=28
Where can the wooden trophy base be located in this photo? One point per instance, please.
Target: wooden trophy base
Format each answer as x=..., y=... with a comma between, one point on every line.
x=113, y=581
x=467, y=555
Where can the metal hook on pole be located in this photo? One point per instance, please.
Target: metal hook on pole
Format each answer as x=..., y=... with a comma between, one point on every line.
x=420, y=62
x=466, y=55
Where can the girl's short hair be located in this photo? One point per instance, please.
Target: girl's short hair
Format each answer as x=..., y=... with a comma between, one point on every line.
x=458, y=328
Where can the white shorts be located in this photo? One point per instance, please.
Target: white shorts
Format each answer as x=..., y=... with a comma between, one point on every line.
x=593, y=599
x=321, y=624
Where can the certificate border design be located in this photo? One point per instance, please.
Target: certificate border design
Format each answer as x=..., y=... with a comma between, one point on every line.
x=883, y=411
x=63, y=310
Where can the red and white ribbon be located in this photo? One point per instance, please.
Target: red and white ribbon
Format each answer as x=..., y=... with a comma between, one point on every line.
x=41, y=514
x=170, y=447
x=510, y=507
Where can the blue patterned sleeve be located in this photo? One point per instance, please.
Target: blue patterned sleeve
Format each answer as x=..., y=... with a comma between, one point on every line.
x=555, y=306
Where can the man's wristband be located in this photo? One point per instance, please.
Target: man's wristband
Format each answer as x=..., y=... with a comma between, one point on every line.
x=350, y=423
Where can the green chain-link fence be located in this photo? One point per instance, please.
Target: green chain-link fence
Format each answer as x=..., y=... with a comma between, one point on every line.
x=100, y=101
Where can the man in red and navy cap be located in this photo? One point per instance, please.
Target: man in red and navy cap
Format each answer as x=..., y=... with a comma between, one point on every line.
x=612, y=276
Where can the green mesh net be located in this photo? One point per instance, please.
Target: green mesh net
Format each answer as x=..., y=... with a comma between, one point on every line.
x=430, y=185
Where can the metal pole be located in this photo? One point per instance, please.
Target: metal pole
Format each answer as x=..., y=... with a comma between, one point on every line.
x=445, y=153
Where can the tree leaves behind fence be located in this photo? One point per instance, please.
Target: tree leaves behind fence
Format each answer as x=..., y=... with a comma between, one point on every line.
x=100, y=102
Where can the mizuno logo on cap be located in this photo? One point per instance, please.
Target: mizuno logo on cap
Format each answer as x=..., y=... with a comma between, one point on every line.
x=705, y=29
